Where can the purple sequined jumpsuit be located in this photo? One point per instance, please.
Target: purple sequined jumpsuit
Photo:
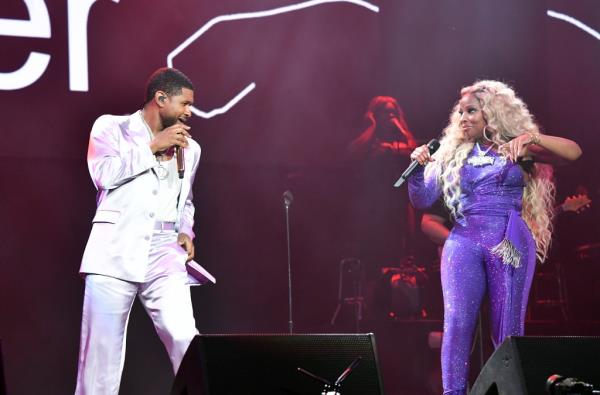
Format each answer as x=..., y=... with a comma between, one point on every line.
x=490, y=249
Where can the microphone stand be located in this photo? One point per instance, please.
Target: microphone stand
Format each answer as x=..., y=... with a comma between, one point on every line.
x=288, y=198
x=333, y=388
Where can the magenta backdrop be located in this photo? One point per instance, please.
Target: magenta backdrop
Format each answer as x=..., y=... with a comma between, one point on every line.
x=315, y=71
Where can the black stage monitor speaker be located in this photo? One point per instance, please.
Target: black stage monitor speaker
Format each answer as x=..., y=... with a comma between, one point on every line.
x=268, y=365
x=521, y=365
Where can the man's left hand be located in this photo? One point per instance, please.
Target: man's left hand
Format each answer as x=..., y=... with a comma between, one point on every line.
x=186, y=243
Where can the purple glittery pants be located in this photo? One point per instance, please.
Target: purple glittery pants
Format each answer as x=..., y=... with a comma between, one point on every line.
x=468, y=271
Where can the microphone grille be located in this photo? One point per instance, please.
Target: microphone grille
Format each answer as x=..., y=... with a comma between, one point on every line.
x=288, y=197
x=433, y=145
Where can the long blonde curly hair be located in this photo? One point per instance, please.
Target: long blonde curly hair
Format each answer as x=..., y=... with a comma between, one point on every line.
x=506, y=117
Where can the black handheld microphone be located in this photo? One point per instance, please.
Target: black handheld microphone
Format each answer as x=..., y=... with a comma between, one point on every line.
x=433, y=146
x=396, y=123
x=180, y=160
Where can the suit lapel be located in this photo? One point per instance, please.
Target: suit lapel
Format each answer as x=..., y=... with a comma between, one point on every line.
x=139, y=135
x=139, y=132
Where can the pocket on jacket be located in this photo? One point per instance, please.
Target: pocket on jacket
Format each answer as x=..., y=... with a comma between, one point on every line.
x=107, y=216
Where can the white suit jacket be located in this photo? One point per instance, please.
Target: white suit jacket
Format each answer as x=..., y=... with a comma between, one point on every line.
x=121, y=165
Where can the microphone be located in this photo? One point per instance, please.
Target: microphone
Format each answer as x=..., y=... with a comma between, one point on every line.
x=288, y=198
x=433, y=146
x=180, y=160
x=397, y=123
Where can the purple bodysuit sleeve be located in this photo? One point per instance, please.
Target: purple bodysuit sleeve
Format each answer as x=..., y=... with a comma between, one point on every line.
x=423, y=191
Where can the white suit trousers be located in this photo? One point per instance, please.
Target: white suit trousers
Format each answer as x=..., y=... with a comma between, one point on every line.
x=106, y=307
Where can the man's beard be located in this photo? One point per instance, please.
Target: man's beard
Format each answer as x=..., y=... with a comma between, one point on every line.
x=168, y=121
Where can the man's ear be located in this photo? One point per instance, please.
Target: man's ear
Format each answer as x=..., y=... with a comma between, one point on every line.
x=160, y=98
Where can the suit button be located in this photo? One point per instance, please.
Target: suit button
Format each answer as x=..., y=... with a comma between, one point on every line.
x=151, y=215
x=155, y=192
x=147, y=238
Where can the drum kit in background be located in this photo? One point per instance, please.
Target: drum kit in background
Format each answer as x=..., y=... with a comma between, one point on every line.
x=408, y=290
x=583, y=282
x=403, y=291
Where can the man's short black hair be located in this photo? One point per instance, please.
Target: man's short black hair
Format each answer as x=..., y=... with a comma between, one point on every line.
x=168, y=80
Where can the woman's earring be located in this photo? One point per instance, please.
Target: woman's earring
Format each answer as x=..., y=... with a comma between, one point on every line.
x=485, y=136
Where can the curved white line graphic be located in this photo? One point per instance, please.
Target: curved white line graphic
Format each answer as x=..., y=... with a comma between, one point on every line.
x=250, y=15
x=575, y=22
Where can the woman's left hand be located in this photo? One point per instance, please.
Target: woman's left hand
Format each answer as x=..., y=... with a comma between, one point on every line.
x=516, y=148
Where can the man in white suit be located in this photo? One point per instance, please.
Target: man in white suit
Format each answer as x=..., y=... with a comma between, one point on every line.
x=142, y=232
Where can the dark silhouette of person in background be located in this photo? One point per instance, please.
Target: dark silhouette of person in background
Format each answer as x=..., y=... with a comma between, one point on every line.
x=382, y=221
x=387, y=133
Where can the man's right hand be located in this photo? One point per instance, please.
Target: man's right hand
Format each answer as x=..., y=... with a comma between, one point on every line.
x=173, y=135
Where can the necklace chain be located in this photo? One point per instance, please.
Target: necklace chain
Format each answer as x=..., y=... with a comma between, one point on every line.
x=480, y=152
x=161, y=171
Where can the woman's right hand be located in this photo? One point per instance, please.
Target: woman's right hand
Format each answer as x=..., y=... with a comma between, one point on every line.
x=371, y=118
x=421, y=155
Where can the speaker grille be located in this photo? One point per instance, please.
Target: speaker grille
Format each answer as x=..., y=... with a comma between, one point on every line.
x=268, y=364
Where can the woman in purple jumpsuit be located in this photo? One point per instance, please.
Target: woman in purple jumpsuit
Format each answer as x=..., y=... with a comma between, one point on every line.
x=487, y=169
